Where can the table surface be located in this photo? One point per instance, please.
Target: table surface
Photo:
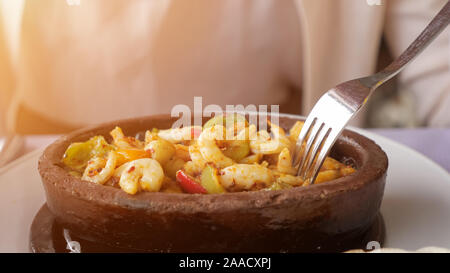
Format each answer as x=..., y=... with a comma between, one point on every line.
x=432, y=142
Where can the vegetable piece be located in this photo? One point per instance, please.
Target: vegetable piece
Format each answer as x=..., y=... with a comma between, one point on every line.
x=331, y=164
x=188, y=183
x=161, y=150
x=124, y=156
x=78, y=154
x=210, y=180
x=239, y=122
x=347, y=171
x=182, y=151
x=237, y=150
x=328, y=175
x=236, y=120
x=172, y=166
x=217, y=120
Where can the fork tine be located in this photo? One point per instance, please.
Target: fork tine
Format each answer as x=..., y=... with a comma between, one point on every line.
x=310, y=146
x=313, y=162
x=328, y=143
x=304, y=133
x=311, y=139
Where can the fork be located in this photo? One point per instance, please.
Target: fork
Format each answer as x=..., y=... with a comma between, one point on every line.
x=338, y=105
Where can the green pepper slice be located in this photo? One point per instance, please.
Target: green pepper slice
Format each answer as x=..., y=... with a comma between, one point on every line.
x=210, y=180
x=79, y=153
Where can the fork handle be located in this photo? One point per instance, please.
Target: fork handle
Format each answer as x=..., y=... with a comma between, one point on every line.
x=434, y=28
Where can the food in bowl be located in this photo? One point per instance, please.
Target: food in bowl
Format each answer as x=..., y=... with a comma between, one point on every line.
x=334, y=216
x=226, y=155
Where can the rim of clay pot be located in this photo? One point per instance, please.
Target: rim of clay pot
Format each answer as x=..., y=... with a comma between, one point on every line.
x=373, y=165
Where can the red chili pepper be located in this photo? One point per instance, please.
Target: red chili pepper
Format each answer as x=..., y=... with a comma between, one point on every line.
x=188, y=183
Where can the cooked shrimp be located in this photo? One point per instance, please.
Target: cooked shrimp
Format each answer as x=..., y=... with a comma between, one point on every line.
x=284, y=164
x=141, y=174
x=209, y=149
x=254, y=134
x=99, y=169
x=245, y=177
x=263, y=144
x=288, y=179
x=192, y=169
x=124, y=142
x=150, y=136
x=196, y=156
x=254, y=158
x=119, y=170
x=182, y=151
x=227, y=150
x=295, y=131
x=235, y=147
x=327, y=175
x=331, y=164
x=245, y=133
x=177, y=135
x=196, y=163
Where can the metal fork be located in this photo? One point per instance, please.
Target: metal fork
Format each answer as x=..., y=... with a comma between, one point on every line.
x=336, y=107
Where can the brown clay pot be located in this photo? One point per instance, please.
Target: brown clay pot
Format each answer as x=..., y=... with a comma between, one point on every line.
x=332, y=216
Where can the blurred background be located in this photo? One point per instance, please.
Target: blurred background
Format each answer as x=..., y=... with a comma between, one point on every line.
x=65, y=64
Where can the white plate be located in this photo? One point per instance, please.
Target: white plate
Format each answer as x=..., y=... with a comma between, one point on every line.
x=415, y=207
x=10, y=148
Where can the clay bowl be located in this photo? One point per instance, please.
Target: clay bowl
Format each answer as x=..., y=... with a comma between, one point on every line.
x=332, y=216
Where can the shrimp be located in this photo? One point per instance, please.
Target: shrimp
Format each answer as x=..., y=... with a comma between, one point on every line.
x=99, y=169
x=246, y=133
x=141, y=174
x=182, y=151
x=294, y=132
x=196, y=156
x=197, y=163
x=192, y=169
x=263, y=144
x=209, y=149
x=150, y=136
x=255, y=135
x=177, y=135
x=288, y=179
x=124, y=142
x=245, y=177
x=284, y=164
x=119, y=170
x=254, y=158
